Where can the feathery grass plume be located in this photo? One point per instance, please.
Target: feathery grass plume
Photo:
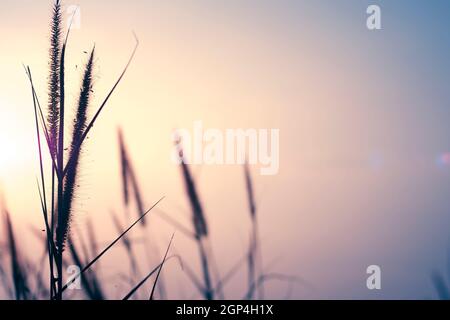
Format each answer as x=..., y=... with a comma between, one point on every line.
x=53, y=79
x=129, y=176
x=198, y=220
x=252, y=208
x=124, y=167
x=65, y=174
x=250, y=193
x=62, y=216
x=137, y=193
x=19, y=275
x=70, y=179
x=254, y=254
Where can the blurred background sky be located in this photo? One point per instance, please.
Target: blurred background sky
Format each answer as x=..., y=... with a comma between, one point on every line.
x=363, y=118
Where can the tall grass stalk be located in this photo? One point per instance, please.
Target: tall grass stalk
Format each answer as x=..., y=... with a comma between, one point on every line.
x=130, y=184
x=63, y=215
x=70, y=180
x=199, y=223
x=53, y=116
x=63, y=174
x=129, y=178
x=254, y=253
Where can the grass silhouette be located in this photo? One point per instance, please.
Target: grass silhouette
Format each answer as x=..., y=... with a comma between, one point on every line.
x=57, y=190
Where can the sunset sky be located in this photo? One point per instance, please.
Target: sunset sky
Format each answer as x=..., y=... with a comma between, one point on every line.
x=363, y=118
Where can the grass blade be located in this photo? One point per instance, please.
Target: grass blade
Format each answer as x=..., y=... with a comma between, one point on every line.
x=41, y=114
x=160, y=268
x=110, y=246
x=127, y=243
x=199, y=222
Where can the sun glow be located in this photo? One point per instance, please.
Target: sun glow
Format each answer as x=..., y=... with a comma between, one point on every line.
x=8, y=155
x=15, y=143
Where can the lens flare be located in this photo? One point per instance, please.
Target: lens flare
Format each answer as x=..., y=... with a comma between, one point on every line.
x=444, y=160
